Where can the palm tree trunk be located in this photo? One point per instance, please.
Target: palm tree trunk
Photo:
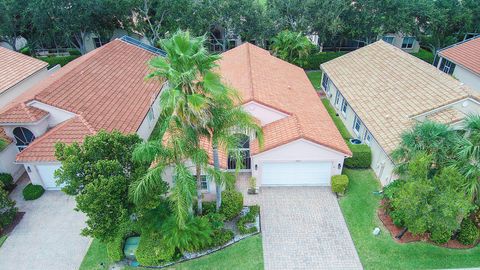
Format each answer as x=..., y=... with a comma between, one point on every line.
x=218, y=186
x=199, y=189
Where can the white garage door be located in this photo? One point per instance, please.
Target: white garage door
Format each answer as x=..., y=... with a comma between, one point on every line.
x=46, y=173
x=296, y=174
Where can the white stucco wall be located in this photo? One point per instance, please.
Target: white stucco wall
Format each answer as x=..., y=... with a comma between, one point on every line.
x=56, y=115
x=297, y=151
x=21, y=87
x=38, y=128
x=467, y=77
x=147, y=126
x=35, y=170
x=168, y=177
x=263, y=113
x=398, y=40
x=7, y=162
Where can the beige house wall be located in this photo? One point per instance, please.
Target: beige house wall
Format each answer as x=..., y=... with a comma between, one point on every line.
x=398, y=40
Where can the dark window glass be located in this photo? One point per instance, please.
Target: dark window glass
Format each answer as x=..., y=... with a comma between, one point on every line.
x=23, y=136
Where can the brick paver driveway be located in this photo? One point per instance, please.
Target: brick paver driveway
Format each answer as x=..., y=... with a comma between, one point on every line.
x=303, y=228
x=48, y=236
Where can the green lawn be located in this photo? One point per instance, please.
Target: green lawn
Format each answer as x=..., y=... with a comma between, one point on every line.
x=315, y=78
x=245, y=255
x=425, y=55
x=2, y=240
x=382, y=252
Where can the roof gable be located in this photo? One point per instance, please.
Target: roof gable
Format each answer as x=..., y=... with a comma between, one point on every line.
x=466, y=54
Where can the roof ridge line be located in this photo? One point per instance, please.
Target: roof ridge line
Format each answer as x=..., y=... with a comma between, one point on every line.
x=86, y=123
x=250, y=74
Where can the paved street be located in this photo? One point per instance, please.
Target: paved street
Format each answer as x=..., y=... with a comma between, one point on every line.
x=303, y=228
x=48, y=236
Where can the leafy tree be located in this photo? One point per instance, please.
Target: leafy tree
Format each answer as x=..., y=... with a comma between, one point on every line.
x=7, y=209
x=469, y=153
x=292, y=47
x=289, y=15
x=194, y=236
x=14, y=21
x=435, y=139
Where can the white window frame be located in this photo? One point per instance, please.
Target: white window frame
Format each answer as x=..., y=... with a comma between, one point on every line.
x=337, y=99
x=367, y=137
x=206, y=180
x=408, y=45
x=344, y=106
x=325, y=83
x=356, y=121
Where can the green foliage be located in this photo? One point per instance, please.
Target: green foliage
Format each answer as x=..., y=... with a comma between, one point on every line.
x=216, y=220
x=58, y=60
x=115, y=246
x=339, y=183
x=440, y=236
x=153, y=250
x=7, y=180
x=74, y=52
x=208, y=207
x=361, y=156
x=8, y=208
x=292, y=47
x=248, y=218
x=425, y=55
x=313, y=61
x=32, y=192
x=3, y=144
x=221, y=236
x=232, y=203
x=468, y=233
x=336, y=120
x=194, y=236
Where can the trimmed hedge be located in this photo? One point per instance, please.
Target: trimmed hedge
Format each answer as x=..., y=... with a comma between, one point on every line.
x=440, y=236
x=32, y=192
x=58, y=60
x=339, y=183
x=469, y=232
x=336, y=120
x=152, y=250
x=221, y=236
x=232, y=203
x=361, y=156
x=314, y=61
x=7, y=180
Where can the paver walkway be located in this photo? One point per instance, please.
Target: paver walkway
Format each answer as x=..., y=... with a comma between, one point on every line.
x=48, y=236
x=303, y=228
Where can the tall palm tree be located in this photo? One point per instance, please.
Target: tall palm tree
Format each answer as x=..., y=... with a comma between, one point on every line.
x=469, y=153
x=435, y=139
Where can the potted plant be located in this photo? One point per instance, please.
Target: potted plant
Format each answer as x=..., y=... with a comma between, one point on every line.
x=252, y=185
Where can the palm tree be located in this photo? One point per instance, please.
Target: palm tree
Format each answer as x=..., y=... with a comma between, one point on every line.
x=469, y=153
x=292, y=47
x=435, y=139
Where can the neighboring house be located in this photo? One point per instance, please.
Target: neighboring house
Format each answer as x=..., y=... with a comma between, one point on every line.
x=380, y=91
x=407, y=43
x=302, y=146
x=18, y=73
x=102, y=90
x=462, y=61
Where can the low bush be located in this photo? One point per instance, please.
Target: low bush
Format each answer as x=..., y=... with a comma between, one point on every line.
x=8, y=210
x=26, y=50
x=7, y=181
x=58, y=60
x=216, y=220
x=314, y=61
x=32, y=192
x=468, y=233
x=221, y=236
x=440, y=236
x=208, y=207
x=152, y=250
x=361, y=156
x=232, y=203
x=248, y=218
x=115, y=247
x=391, y=189
x=74, y=52
x=339, y=184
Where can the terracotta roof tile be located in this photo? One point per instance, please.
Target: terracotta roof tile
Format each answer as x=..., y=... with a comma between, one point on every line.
x=466, y=54
x=3, y=136
x=21, y=113
x=15, y=67
x=265, y=79
x=387, y=88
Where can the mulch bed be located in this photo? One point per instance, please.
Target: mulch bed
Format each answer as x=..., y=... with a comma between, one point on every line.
x=16, y=220
x=408, y=237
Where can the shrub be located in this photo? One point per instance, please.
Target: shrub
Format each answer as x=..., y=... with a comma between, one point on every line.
x=208, y=207
x=391, y=189
x=8, y=209
x=232, y=203
x=361, y=156
x=248, y=218
x=339, y=183
x=440, y=236
x=314, y=61
x=152, y=250
x=221, y=236
x=57, y=60
x=469, y=232
x=32, y=192
x=74, y=52
x=216, y=220
x=7, y=181
x=115, y=247
x=26, y=50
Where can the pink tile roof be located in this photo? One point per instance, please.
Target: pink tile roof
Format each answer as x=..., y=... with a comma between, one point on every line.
x=106, y=87
x=466, y=54
x=265, y=79
x=15, y=67
x=21, y=113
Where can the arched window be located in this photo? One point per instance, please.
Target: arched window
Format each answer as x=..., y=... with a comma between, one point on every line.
x=23, y=136
x=242, y=152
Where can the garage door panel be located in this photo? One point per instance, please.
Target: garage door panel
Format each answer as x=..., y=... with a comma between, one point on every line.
x=296, y=173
